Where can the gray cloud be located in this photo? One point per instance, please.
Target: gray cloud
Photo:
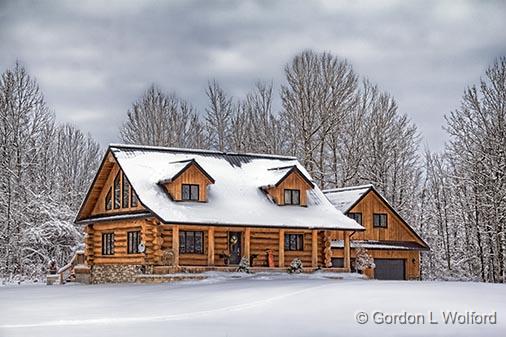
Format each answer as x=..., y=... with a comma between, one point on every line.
x=93, y=58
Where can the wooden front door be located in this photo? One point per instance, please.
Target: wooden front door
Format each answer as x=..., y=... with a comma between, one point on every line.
x=234, y=245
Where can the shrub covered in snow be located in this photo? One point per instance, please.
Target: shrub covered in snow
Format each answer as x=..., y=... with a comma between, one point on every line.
x=244, y=265
x=363, y=260
x=295, y=266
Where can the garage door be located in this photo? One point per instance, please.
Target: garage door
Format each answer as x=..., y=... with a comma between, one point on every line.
x=389, y=269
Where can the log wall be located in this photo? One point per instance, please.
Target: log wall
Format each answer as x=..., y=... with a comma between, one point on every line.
x=159, y=237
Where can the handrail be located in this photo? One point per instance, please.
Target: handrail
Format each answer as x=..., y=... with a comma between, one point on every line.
x=70, y=265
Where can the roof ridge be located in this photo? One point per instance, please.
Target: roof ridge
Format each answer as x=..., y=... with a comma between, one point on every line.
x=199, y=151
x=281, y=168
x=349, y=188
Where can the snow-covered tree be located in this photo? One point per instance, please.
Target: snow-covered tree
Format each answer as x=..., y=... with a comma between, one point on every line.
x=44, y=171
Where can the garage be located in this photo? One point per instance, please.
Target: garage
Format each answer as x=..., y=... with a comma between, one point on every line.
x=389, y=269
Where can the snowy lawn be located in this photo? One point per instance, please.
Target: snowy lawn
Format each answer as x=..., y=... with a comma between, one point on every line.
x=259, y=305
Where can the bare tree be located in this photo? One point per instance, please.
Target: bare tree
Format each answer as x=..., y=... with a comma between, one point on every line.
x=319, y=94
x=160, y=119
x=218, y=117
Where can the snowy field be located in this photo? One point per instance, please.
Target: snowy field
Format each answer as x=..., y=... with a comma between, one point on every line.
x=259, y=305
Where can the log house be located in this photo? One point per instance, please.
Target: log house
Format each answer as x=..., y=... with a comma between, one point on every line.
x=155, y=210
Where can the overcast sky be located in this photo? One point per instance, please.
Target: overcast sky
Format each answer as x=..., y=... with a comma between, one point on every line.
x=94, y=58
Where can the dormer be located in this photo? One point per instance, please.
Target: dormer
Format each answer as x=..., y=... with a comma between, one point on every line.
x=186, y=181
x=288, y=186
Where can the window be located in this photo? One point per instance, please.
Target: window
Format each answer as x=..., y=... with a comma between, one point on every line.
x=356, y=216
x=134, y=200
x=191, y=242
x=108, y=200
x=292, y=197
x=126, y=192
x=108, y=244
x=134, y=239
x=190, y=192
x=294, y=241
x=380, y=220
x=117, y=192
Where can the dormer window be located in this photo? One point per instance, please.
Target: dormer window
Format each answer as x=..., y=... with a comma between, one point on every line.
x=186, y=181
x=190, y=192
x=292, y=197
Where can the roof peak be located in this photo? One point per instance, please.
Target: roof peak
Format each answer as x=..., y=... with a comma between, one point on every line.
x=199, y=151
x=349, y=188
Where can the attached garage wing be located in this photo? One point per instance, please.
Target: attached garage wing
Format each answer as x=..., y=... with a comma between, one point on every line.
x=390, y=269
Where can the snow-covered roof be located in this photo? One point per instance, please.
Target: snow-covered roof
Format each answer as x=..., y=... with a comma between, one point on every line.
x=236, y=197
x=372, y=244
x=276, y=175
x=174, y=169
x=344, y=198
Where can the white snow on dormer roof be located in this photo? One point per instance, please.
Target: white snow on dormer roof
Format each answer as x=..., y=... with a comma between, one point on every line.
x=172, y=169
x=235, y=199
x=344, y=198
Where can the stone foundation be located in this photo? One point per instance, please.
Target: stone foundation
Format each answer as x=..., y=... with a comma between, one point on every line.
x=118, y=273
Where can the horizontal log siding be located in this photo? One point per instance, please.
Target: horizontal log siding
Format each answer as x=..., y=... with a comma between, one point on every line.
x=261, y=241
x=166, y=231
x=93, y=249
x=220, y=245
x=158, y=237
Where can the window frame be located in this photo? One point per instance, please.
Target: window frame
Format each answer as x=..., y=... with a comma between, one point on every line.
x=125, y=192
x=108, y=200
x=379, y=216
x=134, y=199
x=108, y=244
x=190, y=193
x=117, y=191
x=298, y=240
x=186, y=246
x=352, y=215
x=133, y=237
x=291, y=192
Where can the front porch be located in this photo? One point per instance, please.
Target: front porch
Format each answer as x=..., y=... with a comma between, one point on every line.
x=192, y=249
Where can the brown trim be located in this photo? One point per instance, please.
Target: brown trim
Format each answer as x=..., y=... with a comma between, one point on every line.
x=253, y=225
x=409, y=245
x=78, y=216
x=110, y=217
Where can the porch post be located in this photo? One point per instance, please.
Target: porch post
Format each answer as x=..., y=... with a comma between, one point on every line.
x=314, y=246
x=247, y=234
x=347, y=251
x=281, y=248
x=175, y=244
x=210, y=246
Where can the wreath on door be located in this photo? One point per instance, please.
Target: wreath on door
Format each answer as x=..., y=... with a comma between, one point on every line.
x=234, y=239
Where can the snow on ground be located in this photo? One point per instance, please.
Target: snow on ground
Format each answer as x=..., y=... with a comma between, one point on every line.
x=251, y=305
